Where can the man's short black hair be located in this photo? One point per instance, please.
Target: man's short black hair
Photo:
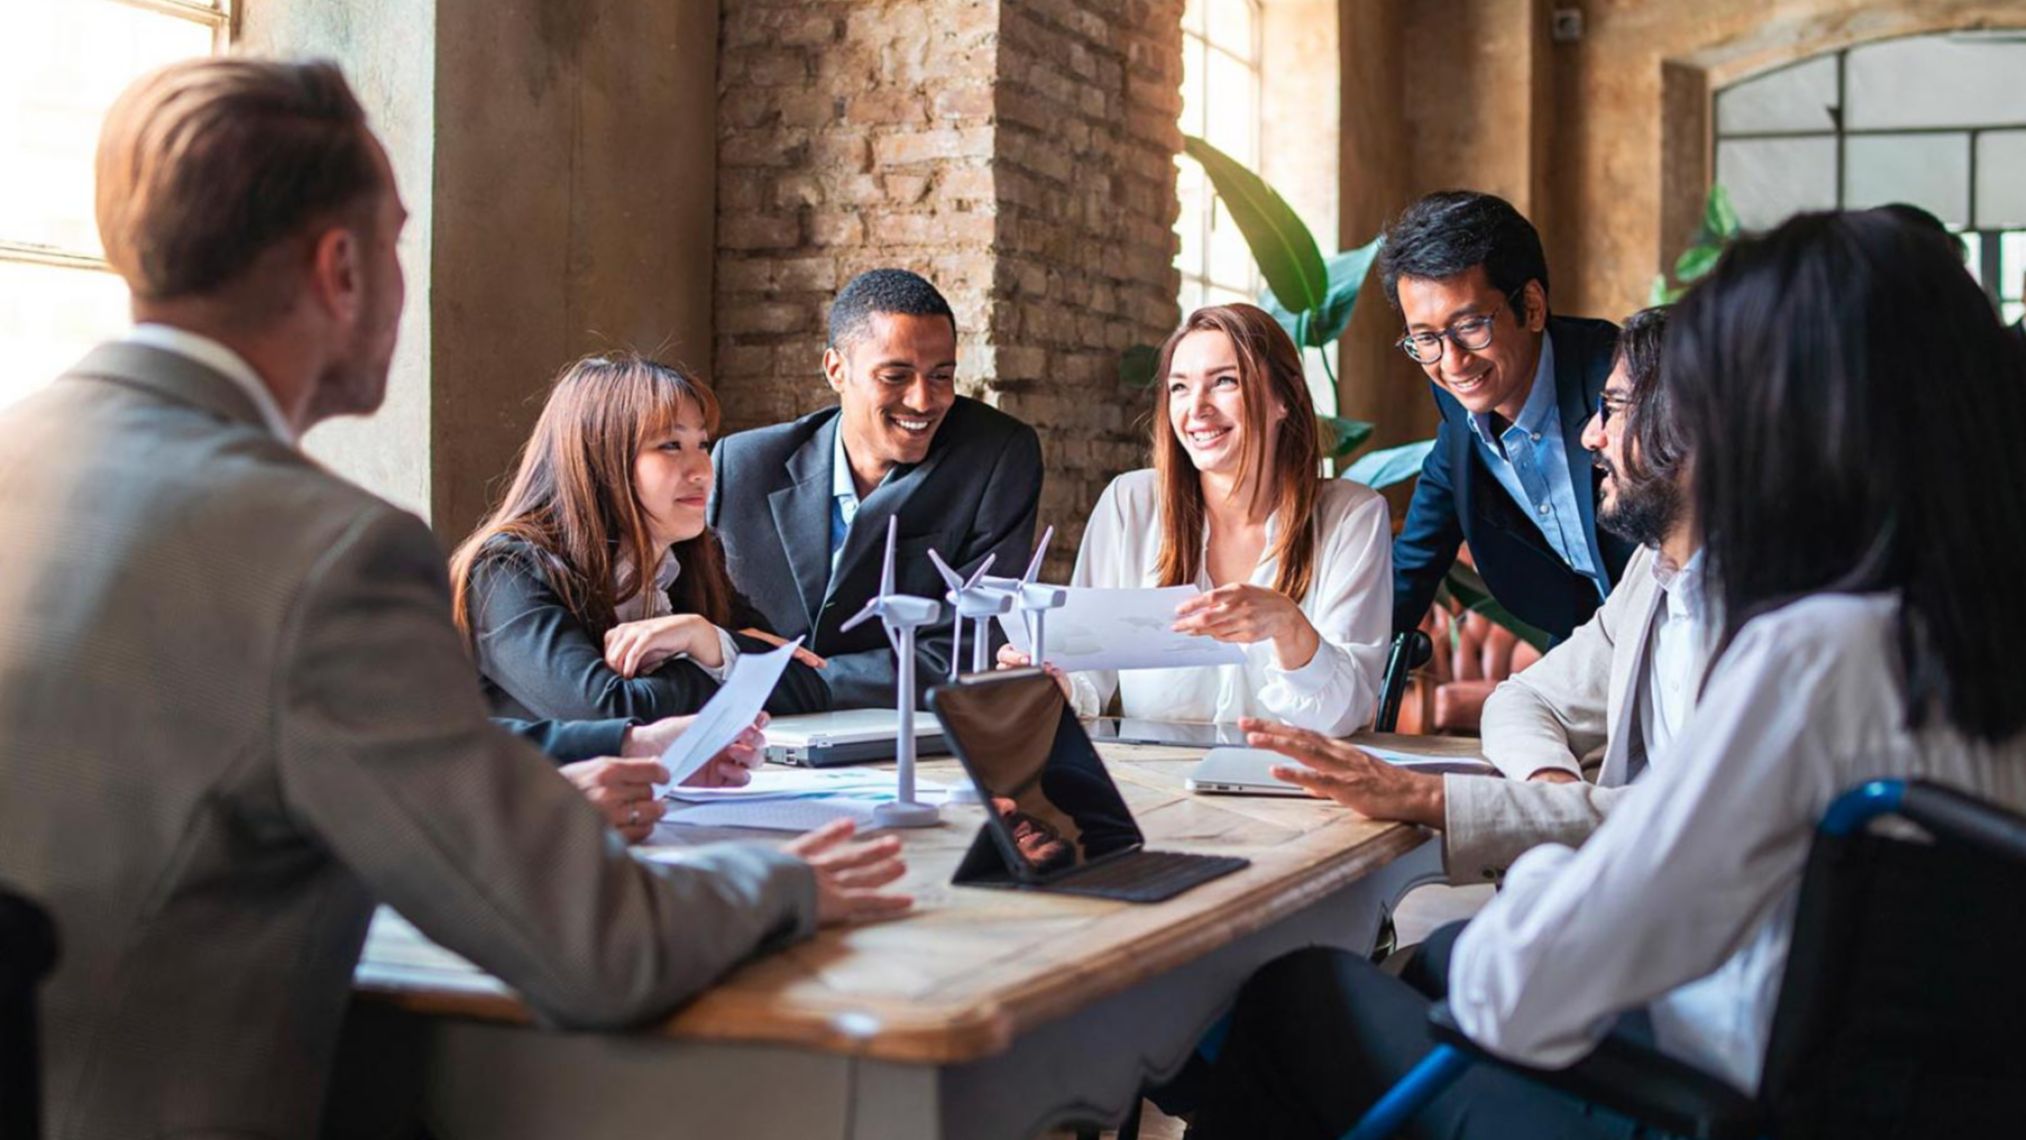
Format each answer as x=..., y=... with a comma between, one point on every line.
x=884, y=291
x=1450, y=231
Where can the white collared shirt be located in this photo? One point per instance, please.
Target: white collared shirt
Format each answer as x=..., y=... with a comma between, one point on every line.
x=653, y=603
x=1683, y=901
x=221, y=360
x=1680, y=650
x=1350, y=604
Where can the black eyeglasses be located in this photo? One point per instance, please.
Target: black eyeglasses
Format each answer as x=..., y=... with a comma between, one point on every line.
x=1609, y=404
x=1469, y=334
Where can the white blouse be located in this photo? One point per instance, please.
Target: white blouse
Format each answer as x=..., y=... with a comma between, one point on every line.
x=1350, y=603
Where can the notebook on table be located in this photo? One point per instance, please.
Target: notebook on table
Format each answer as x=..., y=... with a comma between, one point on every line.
x=1054, y=820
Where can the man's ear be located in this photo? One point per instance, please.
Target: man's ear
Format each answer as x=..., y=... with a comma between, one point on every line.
x=1534, y=300
x=833, y=369
x=336, y=274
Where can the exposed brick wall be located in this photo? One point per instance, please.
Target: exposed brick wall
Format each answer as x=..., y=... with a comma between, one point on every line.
x=851, y=135
x=1088, y=98
x=1019, y=153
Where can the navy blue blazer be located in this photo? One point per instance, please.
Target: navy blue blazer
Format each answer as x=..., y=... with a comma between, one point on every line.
x=975, y=493
x=1459, y=500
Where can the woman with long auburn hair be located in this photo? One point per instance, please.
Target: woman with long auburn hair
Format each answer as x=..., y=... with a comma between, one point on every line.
x=595, y=589
x=1296, y=569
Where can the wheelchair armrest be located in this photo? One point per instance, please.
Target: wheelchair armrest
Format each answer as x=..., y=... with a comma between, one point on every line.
x=1635, y=1080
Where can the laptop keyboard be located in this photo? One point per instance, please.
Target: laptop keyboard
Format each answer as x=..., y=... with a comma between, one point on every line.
x=1146, y=876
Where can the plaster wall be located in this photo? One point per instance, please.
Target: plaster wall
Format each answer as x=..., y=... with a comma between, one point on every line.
x=375, y=41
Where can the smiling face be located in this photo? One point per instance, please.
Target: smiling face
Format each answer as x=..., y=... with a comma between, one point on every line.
x=1206, y=403
x=672, y=477
x=1643, y=510
x=896, y=381
x=1498, y=376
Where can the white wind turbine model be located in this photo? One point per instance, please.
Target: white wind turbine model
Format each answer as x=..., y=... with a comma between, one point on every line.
x=980, y=605
x=902, y=615
x=1033, y=599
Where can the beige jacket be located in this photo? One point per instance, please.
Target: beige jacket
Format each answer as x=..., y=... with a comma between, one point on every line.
x=234, y=714
x=1583, y=696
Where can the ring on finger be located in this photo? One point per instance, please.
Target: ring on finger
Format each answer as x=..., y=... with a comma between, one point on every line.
x=633, y=816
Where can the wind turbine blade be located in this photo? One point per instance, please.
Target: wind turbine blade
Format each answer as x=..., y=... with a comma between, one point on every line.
x=954, y=580
x=886, y=568
x=977, y=577
x=859, y=618
x=1040, y=552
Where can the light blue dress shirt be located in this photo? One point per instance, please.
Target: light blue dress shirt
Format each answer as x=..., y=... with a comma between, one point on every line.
x=1531, y=463
x=843, y=499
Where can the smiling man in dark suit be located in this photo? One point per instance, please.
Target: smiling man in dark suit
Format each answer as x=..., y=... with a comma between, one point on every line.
x=802, y=507
x=1508, y=474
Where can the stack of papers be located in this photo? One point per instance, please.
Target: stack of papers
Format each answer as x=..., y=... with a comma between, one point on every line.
x=792, y=799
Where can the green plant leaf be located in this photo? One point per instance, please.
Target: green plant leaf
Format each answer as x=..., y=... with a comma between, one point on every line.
x=1346, y=272
x=1286, y=252
x=1719, y=217
x=1695, y=261
x=1390, y=465
x=1137, y=365
x=1660, y=294
x=1349, y=435
x=1467, y=587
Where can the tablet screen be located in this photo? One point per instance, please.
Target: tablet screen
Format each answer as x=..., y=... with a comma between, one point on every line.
x=1048, y=796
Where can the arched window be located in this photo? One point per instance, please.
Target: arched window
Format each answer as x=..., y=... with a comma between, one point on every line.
x=1220, y=104
x=61, y=65
x=1938, y=121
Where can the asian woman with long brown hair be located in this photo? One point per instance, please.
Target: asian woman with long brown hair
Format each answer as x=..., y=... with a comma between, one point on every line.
x=1296, y=569
x=595, y=589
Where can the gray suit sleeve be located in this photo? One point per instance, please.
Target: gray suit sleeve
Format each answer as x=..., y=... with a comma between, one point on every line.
x=387, y=757
x=1489, y=821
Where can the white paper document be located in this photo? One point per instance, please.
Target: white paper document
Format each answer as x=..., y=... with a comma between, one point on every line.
x=730, y=711
x=1101, y=628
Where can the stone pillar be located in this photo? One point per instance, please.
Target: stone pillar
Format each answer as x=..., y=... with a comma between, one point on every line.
x=1019, y=155
x=558, y=165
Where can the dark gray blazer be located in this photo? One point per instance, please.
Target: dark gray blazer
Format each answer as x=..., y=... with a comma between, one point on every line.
x=536, y=658
x=975, y=494
x=237, y=715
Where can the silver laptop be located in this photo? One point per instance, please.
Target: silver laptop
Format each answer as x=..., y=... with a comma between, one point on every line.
x=853, y=736
x=1249, y=771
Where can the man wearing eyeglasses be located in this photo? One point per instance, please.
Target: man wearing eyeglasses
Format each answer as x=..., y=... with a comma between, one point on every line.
x=1508, y=474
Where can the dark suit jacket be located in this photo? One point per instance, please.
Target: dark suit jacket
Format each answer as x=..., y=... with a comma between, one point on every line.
x=1459, y=500
x=568, y=741
x=536, y=659
x=975, y=494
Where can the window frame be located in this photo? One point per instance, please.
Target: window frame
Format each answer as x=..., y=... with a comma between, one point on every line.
x=1197, y=288
x=222, y=16
x=1989, y=243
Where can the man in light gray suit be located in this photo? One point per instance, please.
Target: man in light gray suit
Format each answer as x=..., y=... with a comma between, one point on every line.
x=234, y=712
x=1616, y=690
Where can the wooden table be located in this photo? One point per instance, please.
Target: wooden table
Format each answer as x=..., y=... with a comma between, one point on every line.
x=984, y=1013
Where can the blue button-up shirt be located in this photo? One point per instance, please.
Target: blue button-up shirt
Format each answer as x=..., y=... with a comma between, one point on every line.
x=843, y=499
x=1529, y=460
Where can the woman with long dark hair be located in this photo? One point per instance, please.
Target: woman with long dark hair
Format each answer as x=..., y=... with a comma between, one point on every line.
x=1295, y=569
x=1854, y=412
x=595, y=589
